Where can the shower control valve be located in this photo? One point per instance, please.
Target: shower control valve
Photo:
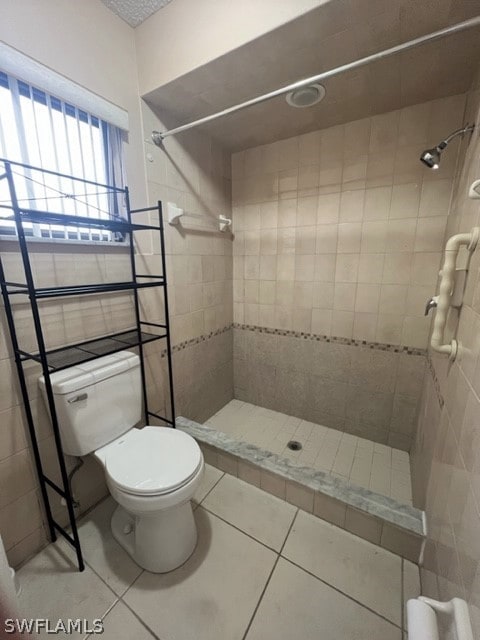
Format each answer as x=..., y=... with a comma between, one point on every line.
x=431, y=304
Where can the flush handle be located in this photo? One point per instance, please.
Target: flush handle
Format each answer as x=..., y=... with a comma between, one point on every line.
x=79, y=398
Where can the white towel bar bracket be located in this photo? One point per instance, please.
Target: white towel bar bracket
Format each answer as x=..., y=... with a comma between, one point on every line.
x=422, y=621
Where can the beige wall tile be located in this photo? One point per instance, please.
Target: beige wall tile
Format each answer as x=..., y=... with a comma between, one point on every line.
x=430, y=233
x=363, y=525
x=393, y=299
x=322, y=321
x=328, y=208
x=370, y=267
x=273, y=484
x=325, y=268
x=349, y=237
x=378, y=203
x=323, y=295
x=249, y=472
x=351, y=206
x=401, y=542
x=342, y=323
x=435, y=198
x=367, y=298
x=405, y=201
x=300, y=496
x=326, y=238
x=374, y=237
x=344, y=296
x=364, y=326
x=346, y=267
x=329, y=509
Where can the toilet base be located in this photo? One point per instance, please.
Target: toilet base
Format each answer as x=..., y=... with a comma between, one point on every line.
x=159, y=542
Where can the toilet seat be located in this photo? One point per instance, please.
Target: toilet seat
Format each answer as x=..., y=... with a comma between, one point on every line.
x=152, y=461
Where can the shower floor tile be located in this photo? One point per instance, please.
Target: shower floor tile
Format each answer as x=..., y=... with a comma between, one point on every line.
x=356, y=460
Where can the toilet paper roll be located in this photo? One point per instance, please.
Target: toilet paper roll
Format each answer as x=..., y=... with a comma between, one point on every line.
x=422, y=621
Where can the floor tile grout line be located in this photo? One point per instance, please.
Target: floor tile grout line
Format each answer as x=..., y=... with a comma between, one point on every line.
x=157, y=637
x=110, y=608
x=361, y=604
x=211, y=488
x=289, y=530
x=92, y=568
x=137, y=578
x=268, y=579
x=249, y=535
x=252, y=617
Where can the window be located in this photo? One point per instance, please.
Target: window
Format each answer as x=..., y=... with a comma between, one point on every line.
x=40, y=130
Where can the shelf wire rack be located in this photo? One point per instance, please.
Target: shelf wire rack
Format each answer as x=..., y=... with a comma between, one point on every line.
x=52, y=360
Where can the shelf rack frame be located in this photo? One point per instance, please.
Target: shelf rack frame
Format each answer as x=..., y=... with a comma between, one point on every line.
x=52, y=360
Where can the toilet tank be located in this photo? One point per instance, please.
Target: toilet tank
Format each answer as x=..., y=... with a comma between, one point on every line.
x=96, y=401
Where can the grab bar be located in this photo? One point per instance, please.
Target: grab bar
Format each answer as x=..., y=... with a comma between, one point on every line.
x=447, y=281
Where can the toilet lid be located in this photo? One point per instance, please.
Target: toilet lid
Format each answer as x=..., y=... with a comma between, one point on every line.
x=155, y=460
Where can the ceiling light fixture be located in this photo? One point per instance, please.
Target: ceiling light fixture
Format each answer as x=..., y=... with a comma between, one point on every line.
x=306, y=96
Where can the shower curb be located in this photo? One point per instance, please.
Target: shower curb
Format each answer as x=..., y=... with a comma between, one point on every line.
x=369, y=515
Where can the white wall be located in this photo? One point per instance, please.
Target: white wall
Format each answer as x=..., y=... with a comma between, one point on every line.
x=189, y=33
x=88, y=44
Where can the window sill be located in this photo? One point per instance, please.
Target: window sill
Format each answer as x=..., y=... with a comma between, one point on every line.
x=82, y=243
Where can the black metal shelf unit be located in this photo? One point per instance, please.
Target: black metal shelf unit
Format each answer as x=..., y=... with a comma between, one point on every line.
x=60, y=358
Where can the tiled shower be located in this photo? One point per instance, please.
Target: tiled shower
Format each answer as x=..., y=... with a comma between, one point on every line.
x=334, y=257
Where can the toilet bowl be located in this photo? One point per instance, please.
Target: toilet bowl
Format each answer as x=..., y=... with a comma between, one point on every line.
x=152, y=473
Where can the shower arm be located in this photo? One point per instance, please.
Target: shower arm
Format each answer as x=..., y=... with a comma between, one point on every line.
x=158, y=136
x=459, y=132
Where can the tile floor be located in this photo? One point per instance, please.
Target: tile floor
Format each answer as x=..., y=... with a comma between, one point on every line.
x=262, y=570
x=358, y=461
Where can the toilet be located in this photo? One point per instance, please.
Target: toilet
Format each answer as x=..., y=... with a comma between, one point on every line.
x=152, y=473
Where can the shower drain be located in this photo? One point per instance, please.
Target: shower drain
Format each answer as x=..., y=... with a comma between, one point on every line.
x=294, y=445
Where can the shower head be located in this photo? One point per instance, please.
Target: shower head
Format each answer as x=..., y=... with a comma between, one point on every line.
x=431, y=157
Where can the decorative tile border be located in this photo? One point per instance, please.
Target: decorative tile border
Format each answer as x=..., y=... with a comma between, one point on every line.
x=436, y=383
x=203, y=338
x=394, y=348
x=347, y=341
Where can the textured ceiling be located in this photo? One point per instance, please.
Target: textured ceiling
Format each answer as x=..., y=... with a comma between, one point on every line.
x=337, y=32
x=135, y=11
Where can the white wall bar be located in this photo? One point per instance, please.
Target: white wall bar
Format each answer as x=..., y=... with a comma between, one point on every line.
x=422, y=619
x=447, y=284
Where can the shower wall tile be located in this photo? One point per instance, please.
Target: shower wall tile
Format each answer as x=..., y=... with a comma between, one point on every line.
x=354, y=209
x=195, y=174
x=368, y=392
x=446, y=453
